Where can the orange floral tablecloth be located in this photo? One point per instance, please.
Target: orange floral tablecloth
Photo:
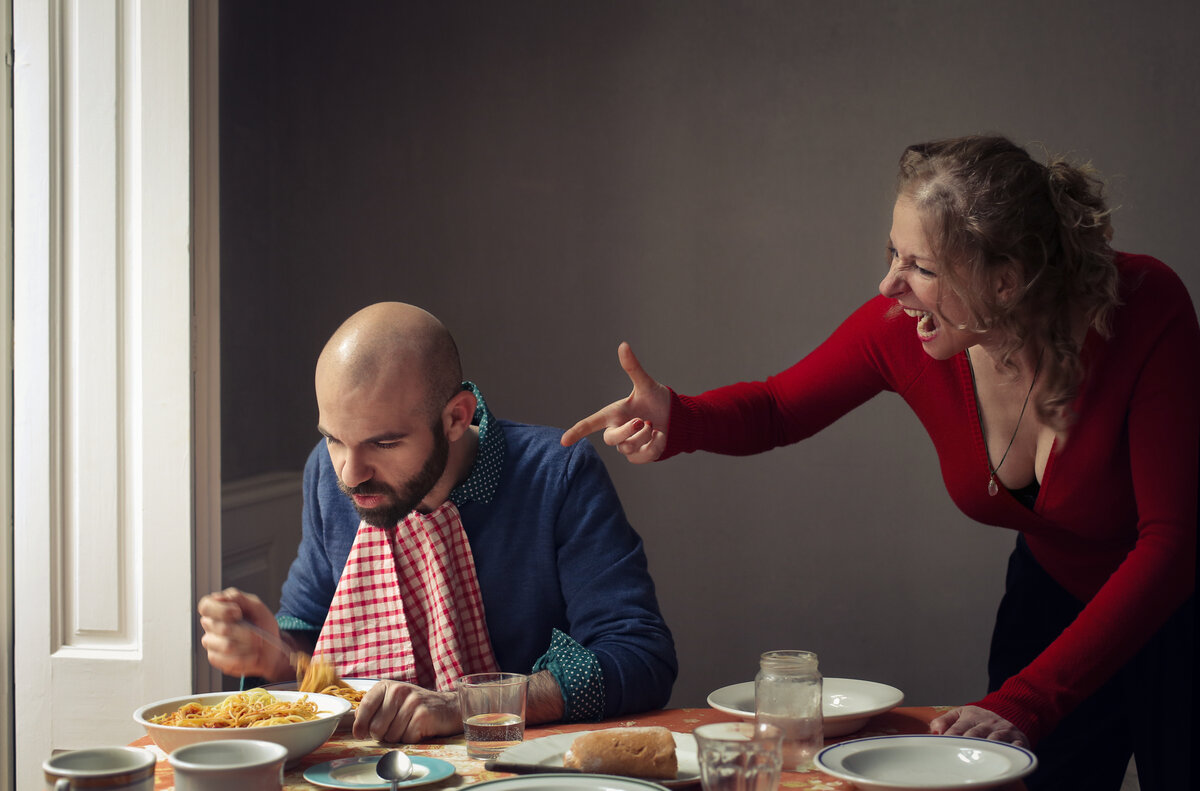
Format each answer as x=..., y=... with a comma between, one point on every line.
x=908, y=719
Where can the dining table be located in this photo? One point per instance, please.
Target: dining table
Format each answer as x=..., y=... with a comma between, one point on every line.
x=468, y=771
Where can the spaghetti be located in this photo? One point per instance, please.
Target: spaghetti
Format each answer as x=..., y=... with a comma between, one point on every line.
x=254, y=708
x=316, y=675
x=351, y=694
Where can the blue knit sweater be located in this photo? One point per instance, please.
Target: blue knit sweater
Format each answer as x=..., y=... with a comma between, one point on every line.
x=553, y=551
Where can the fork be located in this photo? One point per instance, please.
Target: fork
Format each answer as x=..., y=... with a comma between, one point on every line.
x=294, y=657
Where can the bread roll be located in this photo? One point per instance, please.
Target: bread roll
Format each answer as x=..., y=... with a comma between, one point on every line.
x=632, y=752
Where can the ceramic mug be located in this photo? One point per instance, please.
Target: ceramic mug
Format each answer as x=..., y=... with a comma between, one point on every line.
x=109, y=768
x=229, y=765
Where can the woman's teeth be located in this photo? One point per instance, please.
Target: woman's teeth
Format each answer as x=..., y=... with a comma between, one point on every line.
x=926, y=327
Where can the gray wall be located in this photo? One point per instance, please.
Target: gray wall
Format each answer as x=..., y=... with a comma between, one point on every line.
x=712, y=182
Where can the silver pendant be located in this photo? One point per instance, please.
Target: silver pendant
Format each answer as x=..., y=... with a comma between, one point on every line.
x=992, y=487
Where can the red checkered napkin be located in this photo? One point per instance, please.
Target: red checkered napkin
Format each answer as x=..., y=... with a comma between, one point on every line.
x=408, y=607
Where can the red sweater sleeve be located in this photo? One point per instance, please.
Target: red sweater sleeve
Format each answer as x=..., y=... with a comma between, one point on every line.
x=849, y=368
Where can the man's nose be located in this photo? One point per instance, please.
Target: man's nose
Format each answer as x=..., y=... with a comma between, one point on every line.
x=355, y=470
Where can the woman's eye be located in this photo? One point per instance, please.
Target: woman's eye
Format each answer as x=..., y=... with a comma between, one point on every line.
x=911, y=263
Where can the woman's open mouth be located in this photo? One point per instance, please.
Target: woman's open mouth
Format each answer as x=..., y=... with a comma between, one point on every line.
x=927, y=328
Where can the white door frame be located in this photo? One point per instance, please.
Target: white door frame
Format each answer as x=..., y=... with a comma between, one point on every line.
x=7, y=777
x=103, y=367
x=206, y=250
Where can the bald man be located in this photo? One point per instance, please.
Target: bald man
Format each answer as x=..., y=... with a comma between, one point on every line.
x=439, y=541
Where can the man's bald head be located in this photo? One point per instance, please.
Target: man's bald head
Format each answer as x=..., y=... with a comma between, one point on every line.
x=392, y=344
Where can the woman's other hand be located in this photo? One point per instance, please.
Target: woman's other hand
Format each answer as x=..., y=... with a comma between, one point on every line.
x=979, y=723
x=636, y=426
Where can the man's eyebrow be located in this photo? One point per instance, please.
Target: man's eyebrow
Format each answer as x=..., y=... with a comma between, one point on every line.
x=386, y=436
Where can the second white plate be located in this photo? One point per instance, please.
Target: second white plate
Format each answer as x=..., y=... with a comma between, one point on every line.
x=944, y=763
x=568, y=782
x=846, y=703
x=549, y=750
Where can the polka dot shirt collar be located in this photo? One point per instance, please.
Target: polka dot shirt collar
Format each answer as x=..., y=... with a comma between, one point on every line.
x=480, y=486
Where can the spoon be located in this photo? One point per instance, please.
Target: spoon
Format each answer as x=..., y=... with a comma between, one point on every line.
x=394, y=765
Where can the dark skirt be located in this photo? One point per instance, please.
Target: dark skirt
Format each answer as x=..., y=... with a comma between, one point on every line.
x=1145, y=710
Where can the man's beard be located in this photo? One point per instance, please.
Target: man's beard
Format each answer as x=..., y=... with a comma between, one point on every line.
x=400, y=503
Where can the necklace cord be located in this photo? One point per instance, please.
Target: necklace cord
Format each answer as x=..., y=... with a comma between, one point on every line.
x=992, y=488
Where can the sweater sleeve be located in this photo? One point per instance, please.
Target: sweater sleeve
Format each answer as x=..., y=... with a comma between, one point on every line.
x=328, y=525
x=1162, y=434
x=611, y=607
x=845, y=371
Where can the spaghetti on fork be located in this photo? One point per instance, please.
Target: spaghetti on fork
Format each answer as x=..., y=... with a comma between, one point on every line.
x=317, y=675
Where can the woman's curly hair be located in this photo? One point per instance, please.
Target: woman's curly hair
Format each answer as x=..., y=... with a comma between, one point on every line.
x=987, y=205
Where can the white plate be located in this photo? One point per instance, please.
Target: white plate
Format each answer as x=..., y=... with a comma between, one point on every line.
x=897, y=763
x=846, y=703
x=568, y=782
x=359, y=773
x=549, y=750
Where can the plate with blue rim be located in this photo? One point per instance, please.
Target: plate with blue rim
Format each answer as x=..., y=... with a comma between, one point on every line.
x=925, y=761
x=358, y=772
x=569, y=782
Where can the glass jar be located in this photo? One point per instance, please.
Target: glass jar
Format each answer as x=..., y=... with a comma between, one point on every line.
x=787, y=694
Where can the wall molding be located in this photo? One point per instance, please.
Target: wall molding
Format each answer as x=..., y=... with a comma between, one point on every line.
x=259, y=489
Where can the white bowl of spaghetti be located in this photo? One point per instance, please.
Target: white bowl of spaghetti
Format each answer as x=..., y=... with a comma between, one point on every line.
x=300, y=721
x=352, y=689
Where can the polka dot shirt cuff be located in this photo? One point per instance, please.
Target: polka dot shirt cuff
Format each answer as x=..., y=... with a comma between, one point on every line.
x=293, y=624
x=579, y=676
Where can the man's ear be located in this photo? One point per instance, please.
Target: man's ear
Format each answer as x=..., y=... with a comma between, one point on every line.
x=458, y=414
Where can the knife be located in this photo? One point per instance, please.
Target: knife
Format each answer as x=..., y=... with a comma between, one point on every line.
x=525, y=769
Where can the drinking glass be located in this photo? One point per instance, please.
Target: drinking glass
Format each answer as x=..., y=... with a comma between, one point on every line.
x=739, y=756
x=493, y=712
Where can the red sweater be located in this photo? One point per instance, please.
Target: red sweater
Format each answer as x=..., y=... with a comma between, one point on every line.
x=1115, y=519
